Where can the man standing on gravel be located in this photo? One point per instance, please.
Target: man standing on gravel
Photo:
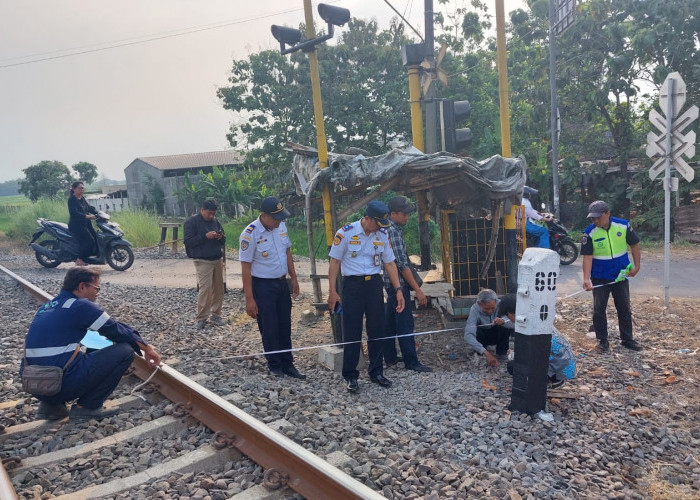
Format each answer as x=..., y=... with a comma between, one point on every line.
x=205, y=243
x=54, y=339
x=358, y=251
x=604, y=249
x=401, y=324
x=266, y=259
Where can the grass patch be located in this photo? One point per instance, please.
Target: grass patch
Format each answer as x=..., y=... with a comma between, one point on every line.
x=140, y=227
x=14, y=201
x=23, y=223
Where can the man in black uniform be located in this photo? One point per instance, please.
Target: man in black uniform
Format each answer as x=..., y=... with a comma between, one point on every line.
x=266, y=259
x=359, y=249
x=204, y=243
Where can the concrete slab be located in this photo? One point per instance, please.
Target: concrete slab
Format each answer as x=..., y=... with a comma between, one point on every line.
x=332, y=358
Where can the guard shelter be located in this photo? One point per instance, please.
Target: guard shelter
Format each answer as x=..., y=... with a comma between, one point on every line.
x=477, y=206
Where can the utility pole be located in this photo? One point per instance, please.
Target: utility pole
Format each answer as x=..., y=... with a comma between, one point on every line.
x=430, y=138
x=554, y=112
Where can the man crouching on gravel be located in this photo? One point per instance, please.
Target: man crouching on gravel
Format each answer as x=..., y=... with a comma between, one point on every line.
x=54, y=339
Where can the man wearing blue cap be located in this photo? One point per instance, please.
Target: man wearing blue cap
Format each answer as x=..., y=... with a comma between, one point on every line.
x=266, y=259
x=359, y=250
x=604, y=248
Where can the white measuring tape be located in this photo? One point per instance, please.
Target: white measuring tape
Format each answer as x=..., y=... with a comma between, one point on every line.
x=306, y=348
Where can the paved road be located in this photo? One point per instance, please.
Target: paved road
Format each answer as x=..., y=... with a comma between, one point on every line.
x=684, y=279
x=685, y=276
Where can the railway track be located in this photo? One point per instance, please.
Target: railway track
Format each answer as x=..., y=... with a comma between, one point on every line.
x=236, y=438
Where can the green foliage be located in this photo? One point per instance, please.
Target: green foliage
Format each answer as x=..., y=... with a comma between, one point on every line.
x=229, y=187
x=87, y=172
x=9, y=188
x=45, y=179
x=647, y=202
x=140, y=226
x=24, y=220
x=154, y=197
x=606, y=62
x=366, y=106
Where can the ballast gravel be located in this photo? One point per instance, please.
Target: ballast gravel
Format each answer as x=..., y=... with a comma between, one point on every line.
x=628, y=430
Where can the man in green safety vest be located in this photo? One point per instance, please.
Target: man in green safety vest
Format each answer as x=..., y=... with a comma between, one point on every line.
x=604, y=249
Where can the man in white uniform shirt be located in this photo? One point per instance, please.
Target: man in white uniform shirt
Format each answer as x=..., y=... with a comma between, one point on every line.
x=266, y=259
x=358, y=251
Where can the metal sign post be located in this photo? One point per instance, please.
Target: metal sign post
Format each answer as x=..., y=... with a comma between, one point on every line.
x=670, y=146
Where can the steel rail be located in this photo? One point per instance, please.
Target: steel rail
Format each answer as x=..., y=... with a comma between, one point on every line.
x=293, y=465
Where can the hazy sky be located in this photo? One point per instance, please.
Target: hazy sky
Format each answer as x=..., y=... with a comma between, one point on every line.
x=108, y=107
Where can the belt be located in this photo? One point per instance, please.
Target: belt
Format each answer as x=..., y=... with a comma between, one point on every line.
x=271, y=279
x=365, y=277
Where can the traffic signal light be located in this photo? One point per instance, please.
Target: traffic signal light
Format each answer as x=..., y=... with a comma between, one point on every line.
x=452, y=112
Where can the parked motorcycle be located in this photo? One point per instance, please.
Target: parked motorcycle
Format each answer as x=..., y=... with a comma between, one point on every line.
x=559, y=241
x=61, y=246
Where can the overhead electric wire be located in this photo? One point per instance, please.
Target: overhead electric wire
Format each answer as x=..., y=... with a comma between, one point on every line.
x=404, y=20
x=139, y=40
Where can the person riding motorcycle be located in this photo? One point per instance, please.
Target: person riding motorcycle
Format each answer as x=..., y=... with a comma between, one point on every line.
x=80, y=222
x=531, y=228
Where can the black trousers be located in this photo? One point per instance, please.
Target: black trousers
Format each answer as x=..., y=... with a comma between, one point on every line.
x=274, y=320
x=496, y=335
x=621, y=296
x=87, y=239
x=362, y=298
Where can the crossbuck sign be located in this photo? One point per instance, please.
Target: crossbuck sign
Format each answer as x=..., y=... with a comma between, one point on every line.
x=672, y=143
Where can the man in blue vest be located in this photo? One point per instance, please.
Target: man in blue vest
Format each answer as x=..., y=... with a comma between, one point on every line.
x=54, y=340
x=604, y=249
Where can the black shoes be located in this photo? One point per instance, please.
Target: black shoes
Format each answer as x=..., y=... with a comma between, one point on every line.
x=632, y=344
x=602, y=347
x=293, y=372
x=381, y=380
x=554, y=382
x=51, y=412
x=352, y=385
x=418, y=367
x=398, y=359
x=79, y=414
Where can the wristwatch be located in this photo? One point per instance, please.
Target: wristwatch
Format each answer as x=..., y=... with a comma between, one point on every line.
x=398, y=288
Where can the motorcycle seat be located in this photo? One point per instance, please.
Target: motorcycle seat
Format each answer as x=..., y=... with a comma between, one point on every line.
x=61, y=229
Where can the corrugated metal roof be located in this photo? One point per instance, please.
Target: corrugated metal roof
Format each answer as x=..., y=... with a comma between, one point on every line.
x=194, y=160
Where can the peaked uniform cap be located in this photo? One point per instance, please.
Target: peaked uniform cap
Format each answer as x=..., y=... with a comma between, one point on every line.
x=379, y=212
x=273, y=207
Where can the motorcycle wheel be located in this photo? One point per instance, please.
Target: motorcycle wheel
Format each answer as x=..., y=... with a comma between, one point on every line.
x=568, y=252
x=43, y=259
x=120, y=257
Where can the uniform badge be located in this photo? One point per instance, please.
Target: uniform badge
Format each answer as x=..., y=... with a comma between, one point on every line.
x=619, y=234
x=584, y=239
x=347, y=228
x=265, y=254
x=338, y=238
x=354, y=254
x=244, y=245
x=250, y=228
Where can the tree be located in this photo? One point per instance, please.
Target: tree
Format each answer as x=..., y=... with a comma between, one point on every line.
x=46, y=179
x=87, y=172
x=366, y=107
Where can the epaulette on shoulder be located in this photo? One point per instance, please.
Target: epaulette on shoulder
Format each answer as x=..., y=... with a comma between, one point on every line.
x=347, y=228
x=382, y=230
x=250, y=228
